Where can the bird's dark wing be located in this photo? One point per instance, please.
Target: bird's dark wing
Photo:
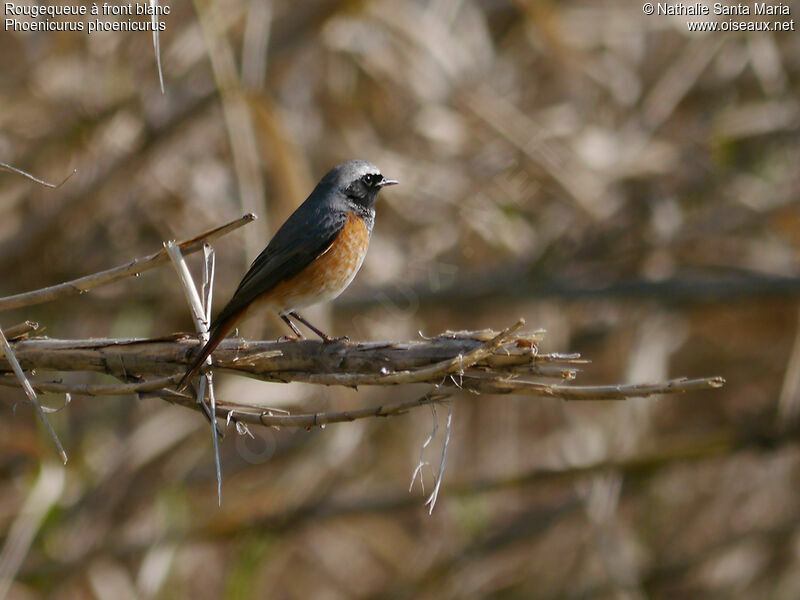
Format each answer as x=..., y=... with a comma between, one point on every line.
x=303, y=237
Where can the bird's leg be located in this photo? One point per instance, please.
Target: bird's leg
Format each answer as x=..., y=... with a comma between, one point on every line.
x=293, y=327
x=325, y=337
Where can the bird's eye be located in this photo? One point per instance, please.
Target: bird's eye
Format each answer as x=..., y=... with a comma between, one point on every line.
x=371, y=179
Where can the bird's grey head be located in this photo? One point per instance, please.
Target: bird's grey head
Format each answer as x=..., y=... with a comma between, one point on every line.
x=358, y=181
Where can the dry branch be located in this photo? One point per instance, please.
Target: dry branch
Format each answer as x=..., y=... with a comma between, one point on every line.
x=484, y=361
x=136, y=266
x=20, y=330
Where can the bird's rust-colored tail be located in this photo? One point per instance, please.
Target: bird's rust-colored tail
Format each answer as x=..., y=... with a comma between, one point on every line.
x=218, y=333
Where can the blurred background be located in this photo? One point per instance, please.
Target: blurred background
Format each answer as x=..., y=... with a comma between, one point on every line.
x=629, y=187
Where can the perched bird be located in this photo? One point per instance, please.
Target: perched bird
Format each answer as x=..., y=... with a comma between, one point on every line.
x=312, y=258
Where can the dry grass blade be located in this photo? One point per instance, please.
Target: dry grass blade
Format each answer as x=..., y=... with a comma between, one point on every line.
x=30, y=393
x=238, y=119
x=519, y=130
x=676, y=82
x=26, y=525
x=430, y=502
x=156, y=42
x=187, y=285
x=255, y=45
x=201, y=310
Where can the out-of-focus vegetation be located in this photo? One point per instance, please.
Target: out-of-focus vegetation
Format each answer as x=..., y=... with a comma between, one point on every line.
x=545, y=150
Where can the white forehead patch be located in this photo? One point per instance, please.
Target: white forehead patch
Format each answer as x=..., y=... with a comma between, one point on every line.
x=366, y=169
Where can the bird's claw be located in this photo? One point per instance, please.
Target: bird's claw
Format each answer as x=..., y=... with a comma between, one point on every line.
x=331, y=340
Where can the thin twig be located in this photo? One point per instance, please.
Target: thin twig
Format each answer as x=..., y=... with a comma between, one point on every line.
x=96, y=389
x=136, y=266
x=307, y=420
x=561, y=392
x=7, y=167
x=597, y=392
x=246, y=413
x=234, y=412
x=30, y=393
x=21, y=330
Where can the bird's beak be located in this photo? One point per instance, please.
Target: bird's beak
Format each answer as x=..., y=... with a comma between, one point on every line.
x=386, y=182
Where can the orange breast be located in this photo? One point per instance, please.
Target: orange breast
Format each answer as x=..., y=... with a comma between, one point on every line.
x=328, y=275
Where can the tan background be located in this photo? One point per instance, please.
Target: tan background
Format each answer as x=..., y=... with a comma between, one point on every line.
x=545, y=150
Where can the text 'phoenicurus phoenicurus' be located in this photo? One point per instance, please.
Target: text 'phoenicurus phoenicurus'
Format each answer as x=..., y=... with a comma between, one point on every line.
x=312, y=258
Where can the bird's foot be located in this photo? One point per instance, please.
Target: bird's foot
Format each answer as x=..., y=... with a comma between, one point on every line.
x=332, y=340
x=288, y=338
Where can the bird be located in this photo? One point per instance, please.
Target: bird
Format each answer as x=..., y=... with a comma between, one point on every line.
x=312, y=257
